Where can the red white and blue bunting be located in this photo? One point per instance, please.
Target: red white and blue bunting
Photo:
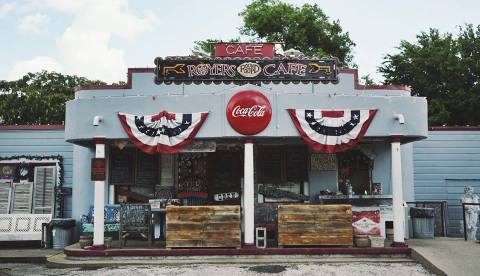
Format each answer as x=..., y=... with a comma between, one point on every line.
x=164, y=132
x=331, y=131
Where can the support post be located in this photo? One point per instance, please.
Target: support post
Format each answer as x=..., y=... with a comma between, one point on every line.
x=99, y=201
x=249, y=195
x=397, y=194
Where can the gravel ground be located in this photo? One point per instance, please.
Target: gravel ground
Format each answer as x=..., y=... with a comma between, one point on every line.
x=382, y=269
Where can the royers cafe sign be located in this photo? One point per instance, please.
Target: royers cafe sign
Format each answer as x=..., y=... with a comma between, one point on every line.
x=244, y=62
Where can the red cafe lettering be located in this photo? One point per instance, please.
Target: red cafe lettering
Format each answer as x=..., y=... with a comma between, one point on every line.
x=249, y=112
x=244, y=50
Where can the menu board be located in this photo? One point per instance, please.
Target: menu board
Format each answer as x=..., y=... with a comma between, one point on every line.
x=147, y=169
x=122, y=166
x=323, y=162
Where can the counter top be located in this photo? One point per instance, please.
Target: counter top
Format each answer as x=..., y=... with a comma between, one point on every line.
x=355, y=197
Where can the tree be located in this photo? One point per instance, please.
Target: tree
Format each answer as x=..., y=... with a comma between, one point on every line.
x=443, y=68
x=207, y=46
x=304, y=28
x=367, y=80
x=38, y=98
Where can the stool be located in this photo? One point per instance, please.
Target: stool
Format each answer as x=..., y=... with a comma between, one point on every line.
x=261, y=237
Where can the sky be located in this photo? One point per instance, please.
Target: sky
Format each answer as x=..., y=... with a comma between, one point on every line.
x=100, y=39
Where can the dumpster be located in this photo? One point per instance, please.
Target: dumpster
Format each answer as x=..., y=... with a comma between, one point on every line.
x=423, y=222
x=62, y=229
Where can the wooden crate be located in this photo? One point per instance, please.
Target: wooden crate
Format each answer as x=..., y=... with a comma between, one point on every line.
x=315, y=225
x=203, y=226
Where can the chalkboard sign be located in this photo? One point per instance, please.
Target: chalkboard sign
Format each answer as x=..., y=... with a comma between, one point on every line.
x=147, y=169
x=122, y=166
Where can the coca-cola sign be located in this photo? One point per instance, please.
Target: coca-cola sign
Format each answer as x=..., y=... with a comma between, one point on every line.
x=249, y=112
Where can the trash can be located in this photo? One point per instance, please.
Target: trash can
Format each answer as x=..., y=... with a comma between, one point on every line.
x=61, y=232
x=423, y=222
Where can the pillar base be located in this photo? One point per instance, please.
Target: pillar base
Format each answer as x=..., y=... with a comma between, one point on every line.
x=96, y=247
x=399, y=244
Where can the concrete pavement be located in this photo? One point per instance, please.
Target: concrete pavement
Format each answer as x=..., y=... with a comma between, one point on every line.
x=447, y=256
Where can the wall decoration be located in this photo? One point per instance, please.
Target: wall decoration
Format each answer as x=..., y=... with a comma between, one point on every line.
x=220, y=70
x=249, y=112
x=331, y=131
x=192, y=172
x=60, y=191
x=323, y=162
x=7, y=171
x=366, y=222
x=200, y=146
x=98, y=169
x=164, y=132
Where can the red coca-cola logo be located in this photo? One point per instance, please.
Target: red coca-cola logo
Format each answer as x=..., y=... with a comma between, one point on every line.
x=249, y=112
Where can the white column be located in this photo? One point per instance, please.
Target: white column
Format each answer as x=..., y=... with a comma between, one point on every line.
x=99, y=199
x=248, y=195
x=397, y=194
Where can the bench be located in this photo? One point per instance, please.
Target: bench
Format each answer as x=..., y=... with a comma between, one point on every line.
x=111, y=219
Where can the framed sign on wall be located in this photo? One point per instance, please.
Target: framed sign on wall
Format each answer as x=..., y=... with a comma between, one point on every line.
x=323, y=162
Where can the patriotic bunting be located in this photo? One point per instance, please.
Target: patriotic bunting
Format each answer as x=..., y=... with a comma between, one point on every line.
x=164, y=132
x=331, y=131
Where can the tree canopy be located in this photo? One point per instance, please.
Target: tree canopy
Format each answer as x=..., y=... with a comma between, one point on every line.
x=445, y=69
x=306, y=28
x=38, y=98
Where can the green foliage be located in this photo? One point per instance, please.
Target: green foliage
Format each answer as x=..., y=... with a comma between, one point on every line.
x=443, y=68
x=37, y=98
x=207, y=46
x=304, y=28
x=367, y=80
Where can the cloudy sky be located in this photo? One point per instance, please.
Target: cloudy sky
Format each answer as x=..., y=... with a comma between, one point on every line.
x=100, y=39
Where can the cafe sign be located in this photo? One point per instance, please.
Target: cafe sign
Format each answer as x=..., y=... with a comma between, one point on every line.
x=244, y=50
x=249, y=112
x=218, y=70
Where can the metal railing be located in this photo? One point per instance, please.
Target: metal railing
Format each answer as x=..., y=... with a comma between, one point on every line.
x=464, y=217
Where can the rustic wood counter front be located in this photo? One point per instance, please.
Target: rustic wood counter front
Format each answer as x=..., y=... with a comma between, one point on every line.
x=203, y=226
x=315, y=225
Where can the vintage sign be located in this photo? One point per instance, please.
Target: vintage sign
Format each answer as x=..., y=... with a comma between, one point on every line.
x=249, y=112
x=226, y=196
x=244, y=50
x=323, y=162
x=227, y=70
x=366, y=222
x=98, y=169
x=200, y=146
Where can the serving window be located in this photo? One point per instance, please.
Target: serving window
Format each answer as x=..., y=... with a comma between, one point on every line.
x=283, y=168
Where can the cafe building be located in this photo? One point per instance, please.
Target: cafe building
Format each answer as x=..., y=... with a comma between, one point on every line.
x=219, y=151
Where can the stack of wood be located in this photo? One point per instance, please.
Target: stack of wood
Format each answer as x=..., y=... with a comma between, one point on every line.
x=203, y=226
x=315, y=225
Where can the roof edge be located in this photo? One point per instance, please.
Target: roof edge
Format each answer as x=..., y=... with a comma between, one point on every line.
x=131, y=71
x=31, y=127
x=359, y=86
x=454, y=128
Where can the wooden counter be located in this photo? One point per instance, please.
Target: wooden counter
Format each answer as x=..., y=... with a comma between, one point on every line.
x=203, y=226
x=315, y=225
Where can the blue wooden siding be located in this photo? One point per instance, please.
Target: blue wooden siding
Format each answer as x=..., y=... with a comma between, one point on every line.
x=40, y=143
x=444, y=164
